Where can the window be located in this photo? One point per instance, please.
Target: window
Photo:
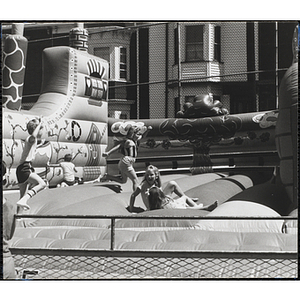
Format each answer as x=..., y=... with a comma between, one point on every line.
x=217, y=44
x=194, y=43
x=176, y=46
x=123, y=63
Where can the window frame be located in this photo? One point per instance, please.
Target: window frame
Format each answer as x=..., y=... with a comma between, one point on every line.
x=123, y=64
x=192, y=40
x=217, y=43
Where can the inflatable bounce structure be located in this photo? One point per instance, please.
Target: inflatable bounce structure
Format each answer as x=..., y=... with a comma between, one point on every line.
x=86, y=231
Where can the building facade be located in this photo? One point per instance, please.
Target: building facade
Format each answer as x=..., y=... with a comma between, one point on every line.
x=156, y=67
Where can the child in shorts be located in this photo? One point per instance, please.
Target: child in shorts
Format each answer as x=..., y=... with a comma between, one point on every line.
x=159, y=200
x=68, y=171
x=25, y=172
x=152, y=178
x=128, y=148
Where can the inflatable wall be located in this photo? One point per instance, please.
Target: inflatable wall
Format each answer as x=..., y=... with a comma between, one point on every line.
x=13, y=70
x=73, y=102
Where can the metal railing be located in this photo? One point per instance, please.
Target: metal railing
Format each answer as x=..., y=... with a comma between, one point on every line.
x=143, y=217
x=112, y=263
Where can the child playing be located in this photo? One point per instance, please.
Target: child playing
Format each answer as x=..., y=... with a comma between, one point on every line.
x=129, y=150
x=151, y=179
x=68, y=171
x=159, y=200
x=25, y=172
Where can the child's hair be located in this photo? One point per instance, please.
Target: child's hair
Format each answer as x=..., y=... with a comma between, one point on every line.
x=32, y=125
x=132, y=131
x=68, y=157
x=157, y=174
x=156, y=197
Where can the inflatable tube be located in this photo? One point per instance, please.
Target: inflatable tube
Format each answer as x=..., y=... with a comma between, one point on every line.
x=287, y=132
x=220, y=189
x=206, y=128
x=271, y=195
x=242, y=209
x=74, y=85
x=14, y=127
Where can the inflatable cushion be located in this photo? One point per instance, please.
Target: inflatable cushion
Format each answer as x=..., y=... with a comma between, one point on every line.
x=156, y=224
x=189, y=240
x=291, y=226
x=242, y=209
x=272, y=195
x=220, y=189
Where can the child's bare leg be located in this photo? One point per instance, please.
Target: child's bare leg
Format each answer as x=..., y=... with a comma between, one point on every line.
x=209, y=207
x=116, y=178
x=133, y=177
x=191, y=203
x=38, y=185
x=23, y=188
x=173, y=187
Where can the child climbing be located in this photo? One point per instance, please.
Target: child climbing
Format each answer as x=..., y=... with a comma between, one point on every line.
x=25, y=172
x=128, y=148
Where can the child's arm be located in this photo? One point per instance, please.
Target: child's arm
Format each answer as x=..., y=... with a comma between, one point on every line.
x=37, y=129
x=105, y=154
x=132, y=198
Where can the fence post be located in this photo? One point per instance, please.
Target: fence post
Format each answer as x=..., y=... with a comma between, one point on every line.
x=112, y=234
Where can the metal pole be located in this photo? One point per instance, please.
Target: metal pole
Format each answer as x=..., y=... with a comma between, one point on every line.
x=167, y=72
x=137, y=76
x=276, y=63
x=112, y=234
x=179, y=65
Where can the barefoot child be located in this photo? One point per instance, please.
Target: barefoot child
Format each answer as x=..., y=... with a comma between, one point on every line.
x=25, y=172
x=152, y=178
x=128, y=148
x=159, y=200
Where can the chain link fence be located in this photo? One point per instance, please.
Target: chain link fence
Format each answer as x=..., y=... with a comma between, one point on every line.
x=70, y=263
x=151, y=265
x=156, y=68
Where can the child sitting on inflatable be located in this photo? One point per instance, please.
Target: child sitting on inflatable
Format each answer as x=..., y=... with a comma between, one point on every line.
x=159, y=200
x=128, y=148
x=68, y=171
x=152, y=179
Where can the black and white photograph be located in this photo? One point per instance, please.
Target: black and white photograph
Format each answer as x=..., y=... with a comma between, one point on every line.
x=150, y=150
